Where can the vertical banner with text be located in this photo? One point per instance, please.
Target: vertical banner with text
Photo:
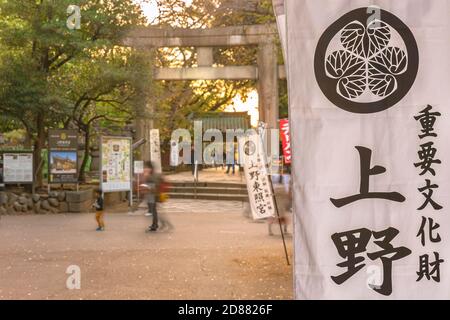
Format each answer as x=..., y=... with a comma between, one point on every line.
x=155, y=150
x=369, y=107
x=285, y=134
x=257, y=176
x=174, y=153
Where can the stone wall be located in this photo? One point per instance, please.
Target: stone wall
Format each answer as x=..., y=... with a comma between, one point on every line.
x=54, y=202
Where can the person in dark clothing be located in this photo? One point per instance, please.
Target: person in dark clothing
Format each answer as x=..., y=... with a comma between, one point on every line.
x=231, y=161
x=224, y=160
x=152, y=184
x=99, y=213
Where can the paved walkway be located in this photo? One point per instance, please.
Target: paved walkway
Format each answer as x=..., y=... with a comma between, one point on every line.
x=214, y=253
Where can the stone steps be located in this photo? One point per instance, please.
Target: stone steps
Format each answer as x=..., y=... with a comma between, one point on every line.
x=210, y=196
x=208, y=191
x=210, y=185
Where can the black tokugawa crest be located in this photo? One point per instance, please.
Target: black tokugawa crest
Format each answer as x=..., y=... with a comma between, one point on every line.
x=366, y=65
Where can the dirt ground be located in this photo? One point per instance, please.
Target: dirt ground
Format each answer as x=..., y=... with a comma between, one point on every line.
x=214, y=253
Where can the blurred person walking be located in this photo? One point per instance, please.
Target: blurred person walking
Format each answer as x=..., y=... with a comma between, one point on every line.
x=166, y=224
x=155, y=188
x=231, y=160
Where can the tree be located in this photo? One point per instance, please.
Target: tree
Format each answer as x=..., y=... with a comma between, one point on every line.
x=41, y=59
x=113, y=89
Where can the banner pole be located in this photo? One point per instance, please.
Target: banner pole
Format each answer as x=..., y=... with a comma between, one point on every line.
x=279, y=220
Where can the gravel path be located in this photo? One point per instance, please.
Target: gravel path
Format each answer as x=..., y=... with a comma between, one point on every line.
x=214, y=253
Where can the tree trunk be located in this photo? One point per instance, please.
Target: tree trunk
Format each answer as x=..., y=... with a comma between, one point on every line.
x=87, y=146
x=28, y=140
x=39, y=145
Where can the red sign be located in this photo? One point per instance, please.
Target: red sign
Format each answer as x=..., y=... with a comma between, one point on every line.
x=286, y=140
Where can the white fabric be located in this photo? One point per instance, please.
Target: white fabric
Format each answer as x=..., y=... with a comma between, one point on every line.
x=327, y=165
x=155, y=150
x=257, y=178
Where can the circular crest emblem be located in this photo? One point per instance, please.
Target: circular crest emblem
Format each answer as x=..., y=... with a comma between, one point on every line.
x=249, y=148
x=365, y=65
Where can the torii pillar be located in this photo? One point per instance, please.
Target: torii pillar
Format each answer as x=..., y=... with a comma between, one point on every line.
x=268, y=90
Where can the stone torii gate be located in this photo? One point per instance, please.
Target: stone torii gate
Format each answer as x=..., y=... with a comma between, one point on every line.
x=267, y=72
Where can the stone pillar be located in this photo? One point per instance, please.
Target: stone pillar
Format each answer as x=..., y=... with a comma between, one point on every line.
x=146, y=146
x=142, y=127
x=268, y=84
x=139, y=126
x=205, y=57
x=144, y=121
x=149, y=124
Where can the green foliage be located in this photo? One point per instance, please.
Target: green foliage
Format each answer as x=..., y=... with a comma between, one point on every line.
x=179, y=102
x=52, y=76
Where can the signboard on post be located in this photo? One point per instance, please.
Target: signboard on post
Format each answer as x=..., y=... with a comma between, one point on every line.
x=63, y=156
x=138, y=170
x=369, y=102
x=116, y=160
x=256, y=173
x=18, y=167
x=155, y=150
x=138, y=167
x=286, y=140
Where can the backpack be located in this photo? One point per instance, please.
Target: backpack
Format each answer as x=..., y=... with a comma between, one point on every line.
x=164, y=188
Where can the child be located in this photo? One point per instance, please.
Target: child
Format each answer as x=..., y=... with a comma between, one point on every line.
x=98, y=205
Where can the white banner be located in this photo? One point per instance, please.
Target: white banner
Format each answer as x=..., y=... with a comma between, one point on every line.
x=174, y=153
x=155, y=150
x=256, y=175
x=369, y=107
